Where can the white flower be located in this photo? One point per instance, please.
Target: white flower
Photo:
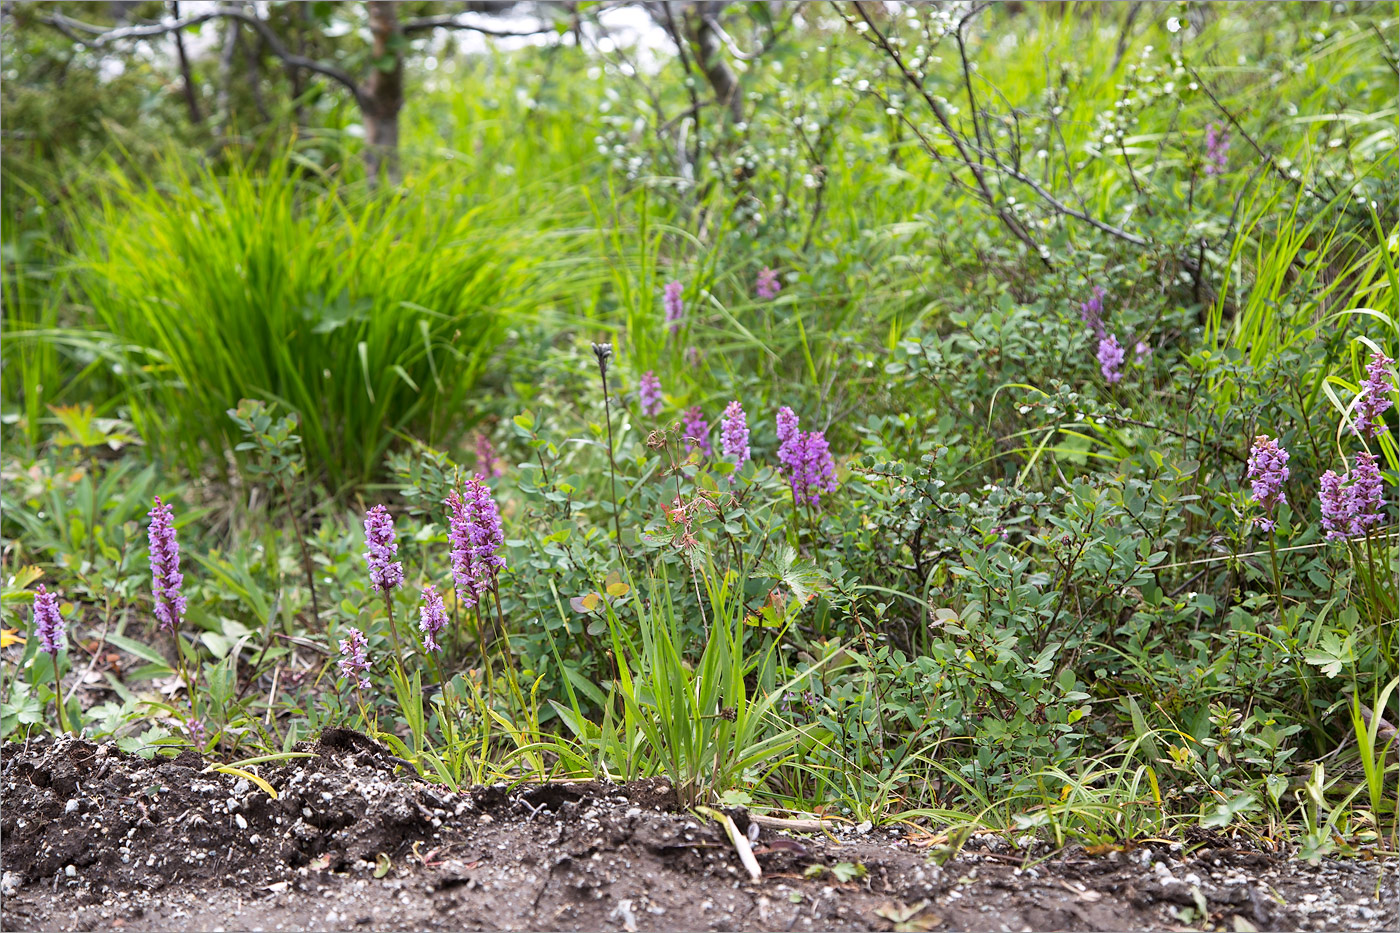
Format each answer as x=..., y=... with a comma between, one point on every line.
x=1173, y=25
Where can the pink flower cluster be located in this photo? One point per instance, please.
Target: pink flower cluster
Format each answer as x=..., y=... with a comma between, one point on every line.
x=767, y=286
x=1267, y=472
x=1352, y=503
x=476, y=536
x=166, y=580
x=488, y=463
x=734, y=437
x=649, y=394
x=806, y=459
x=697, y=431
x=1217, y=149
x=1374, y=399
x=674, y=304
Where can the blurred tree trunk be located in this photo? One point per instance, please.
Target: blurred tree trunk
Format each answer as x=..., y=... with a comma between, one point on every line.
x=382, y=98
x=191, y=101
x=701, y=31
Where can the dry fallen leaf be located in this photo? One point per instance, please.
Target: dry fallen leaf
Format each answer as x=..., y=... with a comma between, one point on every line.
x=909, y=919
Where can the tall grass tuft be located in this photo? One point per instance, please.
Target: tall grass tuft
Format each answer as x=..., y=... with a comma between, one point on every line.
x=366, y=314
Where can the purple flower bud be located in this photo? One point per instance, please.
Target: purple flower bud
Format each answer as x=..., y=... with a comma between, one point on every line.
x=432, y=618
x=1091, y=312
x=1142, y=350
x=1217, y=149
x=487, y=463
x=806, y=460
x=816, y=473
x=48, y=623
x=476, y=535
x=767, y=286
x=166, y=579
x=385, y=573
x=787, y=433
x=734, y=437
x=1353, y=502
x=694, y=357
x=459, y=538
x=1374, y=399
x=354, y=658
x=1110, y=359
x=195, y=730
x=675, y=306
x=1267, y=471
x=1332, y=497
x=1367, y=494
x=697, y=431
x=649, y=394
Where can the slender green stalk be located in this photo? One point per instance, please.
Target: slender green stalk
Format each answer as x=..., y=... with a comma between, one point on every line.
x=1278, y=581
x=58, y=697
x=393, y=632
x=612, y=458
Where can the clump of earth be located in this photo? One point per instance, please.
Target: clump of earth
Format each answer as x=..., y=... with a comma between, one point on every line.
x=97, y=839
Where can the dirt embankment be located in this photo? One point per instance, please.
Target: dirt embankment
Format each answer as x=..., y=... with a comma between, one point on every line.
x=94, y=839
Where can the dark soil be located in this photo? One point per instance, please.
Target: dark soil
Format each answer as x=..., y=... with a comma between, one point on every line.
x=94, y=839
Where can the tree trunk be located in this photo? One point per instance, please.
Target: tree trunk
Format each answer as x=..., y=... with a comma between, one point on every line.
x=191, y=101
x=225, y=99
x=709, y=50
x=383, y=93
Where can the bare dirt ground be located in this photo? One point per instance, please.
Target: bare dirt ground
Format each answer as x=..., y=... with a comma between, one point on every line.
x=94, y=839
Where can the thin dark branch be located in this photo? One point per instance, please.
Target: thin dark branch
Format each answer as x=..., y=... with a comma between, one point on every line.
x=186, y=77
x=452, y=21
x=100, y=36
x=960, y=142
x=1267, y=157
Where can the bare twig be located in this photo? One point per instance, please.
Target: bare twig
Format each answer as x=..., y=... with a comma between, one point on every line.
x=453, y=21
x=101, y=36
x=740, y=841
x=961, y=143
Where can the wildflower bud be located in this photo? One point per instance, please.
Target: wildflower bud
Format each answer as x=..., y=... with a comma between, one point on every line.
x=488, y=464
x=734, y=437
x=649, y=394
x=1374, y=399
x=166, y=579
x=675, y=306
x=603, y=351
x=767, y=286
x=385, y=573
x=48, y=623
x=432, y=618
x=1267, y=472
x=1110, y=359
x=354, y=658
x=697, y=431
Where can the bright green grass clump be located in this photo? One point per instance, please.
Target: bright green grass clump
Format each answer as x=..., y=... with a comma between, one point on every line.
x=368, y=314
